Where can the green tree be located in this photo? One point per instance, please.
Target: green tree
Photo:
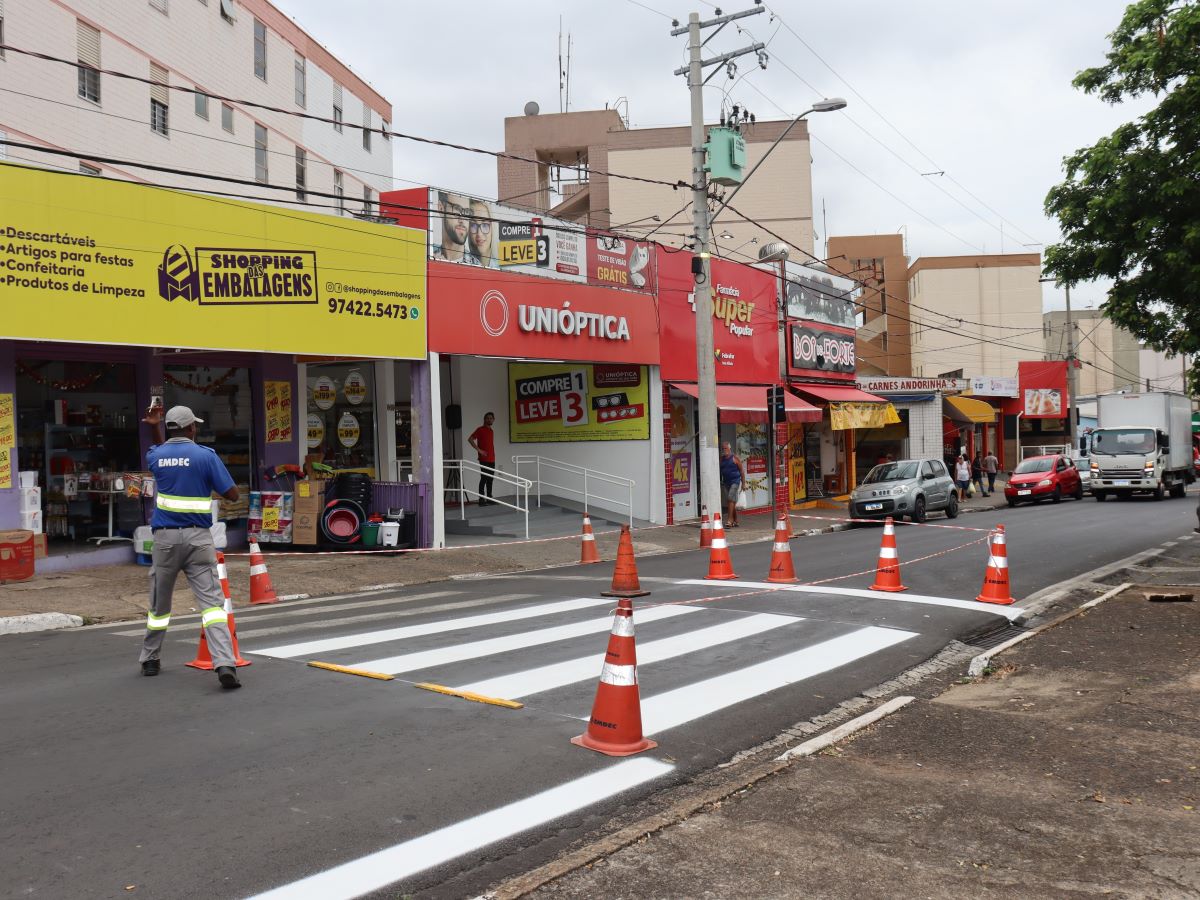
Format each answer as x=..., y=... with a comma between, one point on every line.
x=1129, y=207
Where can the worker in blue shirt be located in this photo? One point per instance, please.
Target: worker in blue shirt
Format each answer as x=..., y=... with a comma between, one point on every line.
x=186, y=476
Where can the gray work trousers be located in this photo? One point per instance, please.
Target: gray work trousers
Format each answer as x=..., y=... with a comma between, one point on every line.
x=191, y=551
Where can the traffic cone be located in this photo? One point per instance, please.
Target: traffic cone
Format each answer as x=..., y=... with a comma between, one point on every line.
x=260, y=582
x=587, y=550
x=223, y=575
x=615, y=726
x=782, y=571
x=720, y=566
x=995, y=578
x=705, y=529
x=203, y=658
x=887, y=573
x=625, y=577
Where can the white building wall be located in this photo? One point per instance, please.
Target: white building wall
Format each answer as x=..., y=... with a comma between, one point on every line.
x=980, y=318
x=481, y=386
x=199, y=49
x=924, y=426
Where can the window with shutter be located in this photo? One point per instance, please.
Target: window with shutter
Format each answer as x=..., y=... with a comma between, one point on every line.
x=159, y=99
x=337, y=108
x=260, y=154
x=88, y=52
x=366, y=128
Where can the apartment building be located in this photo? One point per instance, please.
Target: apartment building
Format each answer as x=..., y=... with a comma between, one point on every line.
x=593, y=143
x=246, y=50
x=1110, y=356
x=883, y=340
x=974, y=315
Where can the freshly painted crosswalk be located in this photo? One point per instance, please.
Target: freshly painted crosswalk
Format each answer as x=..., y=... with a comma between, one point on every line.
x=308, y=648
x=427, y=659
x=556, y=675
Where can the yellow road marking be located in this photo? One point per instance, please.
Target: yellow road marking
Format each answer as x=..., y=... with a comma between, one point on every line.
x=348, y=671
x=468, y=695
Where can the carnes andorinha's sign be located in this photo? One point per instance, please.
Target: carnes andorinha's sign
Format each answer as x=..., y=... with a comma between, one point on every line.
x=86, y=259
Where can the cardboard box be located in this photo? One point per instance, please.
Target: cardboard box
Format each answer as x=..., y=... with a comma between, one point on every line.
x=16, y=555
x=39, y=546
x=28, y=479
x=32, y=521
x=306, y=515
x=31, y=499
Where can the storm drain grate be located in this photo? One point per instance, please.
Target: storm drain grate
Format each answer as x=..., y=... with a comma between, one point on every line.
x=990, y=639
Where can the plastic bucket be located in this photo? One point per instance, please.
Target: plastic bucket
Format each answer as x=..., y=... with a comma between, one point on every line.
x=389, y=534
x=370, y=534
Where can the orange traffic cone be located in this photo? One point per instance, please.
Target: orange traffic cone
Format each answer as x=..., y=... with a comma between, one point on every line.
x=625, y=577
x=223, y=575
x=887, y=573
x=203, y=658
x=782, y=571
x=995, y=578
x=260, y=582
x=587, y=551
x=720, y=566
x=615, y=727
x=705, y=529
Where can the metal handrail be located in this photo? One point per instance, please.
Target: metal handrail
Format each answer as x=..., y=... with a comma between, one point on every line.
x=466, y=466
x=572, y=469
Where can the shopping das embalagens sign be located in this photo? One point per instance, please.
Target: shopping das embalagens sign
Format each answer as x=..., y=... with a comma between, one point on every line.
x=112, y=262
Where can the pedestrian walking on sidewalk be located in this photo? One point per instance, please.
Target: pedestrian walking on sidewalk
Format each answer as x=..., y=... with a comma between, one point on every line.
x=991, y=466
x=732, y=478
x=186, y=476
x=962, y=477
x=483, y=440
x=977, y=473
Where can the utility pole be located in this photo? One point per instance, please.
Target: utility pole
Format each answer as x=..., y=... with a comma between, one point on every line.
x=1071, y=426
x=706, y=379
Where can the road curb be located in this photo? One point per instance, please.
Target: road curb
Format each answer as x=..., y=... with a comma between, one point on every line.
x=683, y=808
x=38, y=622
x=980, y=662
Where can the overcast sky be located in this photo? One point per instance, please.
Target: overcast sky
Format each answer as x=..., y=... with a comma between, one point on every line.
x=980, y=90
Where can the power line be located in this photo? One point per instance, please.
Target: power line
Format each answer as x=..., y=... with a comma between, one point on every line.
x=498, y=154
x=892, y=126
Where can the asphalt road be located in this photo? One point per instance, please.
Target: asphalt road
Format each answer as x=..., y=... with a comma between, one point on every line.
x=307, y=783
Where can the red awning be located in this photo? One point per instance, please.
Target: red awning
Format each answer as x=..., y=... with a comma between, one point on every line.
x=748, y=403
x=836, y=393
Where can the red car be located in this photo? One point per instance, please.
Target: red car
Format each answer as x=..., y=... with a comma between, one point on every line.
x=1043, y=478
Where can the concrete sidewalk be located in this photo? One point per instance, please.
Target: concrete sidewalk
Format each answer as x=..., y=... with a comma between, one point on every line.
x=1068, y=769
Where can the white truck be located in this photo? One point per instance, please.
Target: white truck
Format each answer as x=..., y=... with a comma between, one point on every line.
x=1143, y=444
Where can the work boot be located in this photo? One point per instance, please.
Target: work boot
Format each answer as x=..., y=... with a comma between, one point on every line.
x=151, y=667
x=227, y=675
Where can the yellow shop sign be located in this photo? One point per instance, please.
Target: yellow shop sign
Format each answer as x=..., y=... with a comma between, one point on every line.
x=111, y=262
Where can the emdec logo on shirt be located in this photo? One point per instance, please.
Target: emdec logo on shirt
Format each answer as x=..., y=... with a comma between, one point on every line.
x=174, y=461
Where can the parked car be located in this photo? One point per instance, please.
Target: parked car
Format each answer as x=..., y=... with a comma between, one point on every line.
x=906, y=487
x=1043, y=478
x=1083, y=467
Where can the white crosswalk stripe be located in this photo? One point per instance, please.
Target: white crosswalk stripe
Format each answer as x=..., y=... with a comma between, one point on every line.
x=1008, y=612
x=671, y=709
x=547, y=678
x=427, y=659
x=363, y=639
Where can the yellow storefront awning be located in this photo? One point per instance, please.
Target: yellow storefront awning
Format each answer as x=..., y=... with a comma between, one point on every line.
x=854, y=414
x=966, y=411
